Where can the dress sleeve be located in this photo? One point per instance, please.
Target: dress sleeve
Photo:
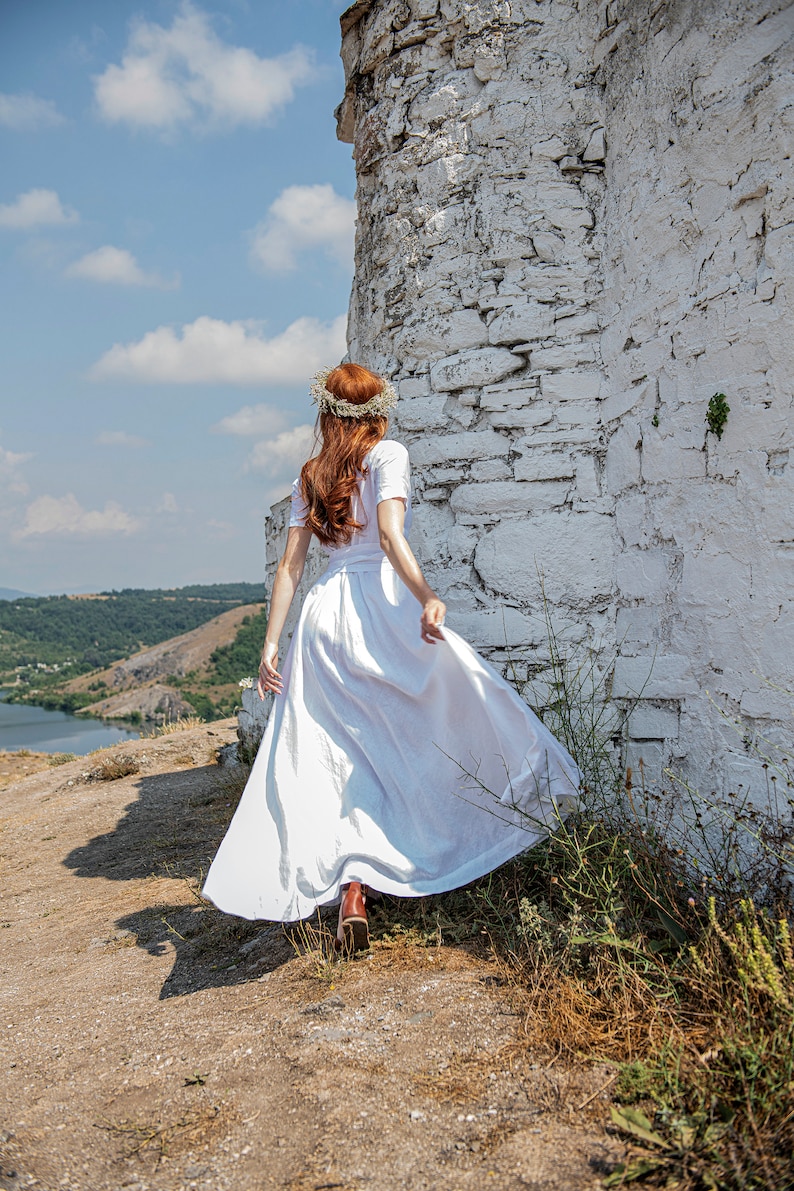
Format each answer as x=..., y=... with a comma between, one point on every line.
x=392, y=472
x=298, y=510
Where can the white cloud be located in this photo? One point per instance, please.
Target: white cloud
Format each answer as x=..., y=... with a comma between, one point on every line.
x=305, y=217
x=10, y=478
x=252, y=420
x=115, y=266
x=211, y=351
x=287, y=452
x=65, y=515
x=187, y=75
x=119, y=438
x=34, y=208
x=168, y=503
x=28, y=113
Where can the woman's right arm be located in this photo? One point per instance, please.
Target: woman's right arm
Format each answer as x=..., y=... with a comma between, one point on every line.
x=285, y=584
x=391, y=528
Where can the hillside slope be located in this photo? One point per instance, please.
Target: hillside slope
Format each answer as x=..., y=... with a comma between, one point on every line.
x=193, y=673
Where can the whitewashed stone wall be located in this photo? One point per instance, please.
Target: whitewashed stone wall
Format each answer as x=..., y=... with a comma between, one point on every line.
x=574, y=228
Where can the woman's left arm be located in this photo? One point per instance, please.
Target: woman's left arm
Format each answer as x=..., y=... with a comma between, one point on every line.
x=285, y=584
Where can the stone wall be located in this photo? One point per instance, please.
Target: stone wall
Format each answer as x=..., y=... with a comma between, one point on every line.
x=574, y=228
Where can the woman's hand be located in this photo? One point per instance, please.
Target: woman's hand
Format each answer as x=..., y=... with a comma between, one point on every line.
x=269, y=677
x=433, y=614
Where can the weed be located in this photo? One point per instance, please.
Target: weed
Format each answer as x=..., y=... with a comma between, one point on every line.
x=114, y=767
x=717, y=414
x=313, y=941
x=62, y=758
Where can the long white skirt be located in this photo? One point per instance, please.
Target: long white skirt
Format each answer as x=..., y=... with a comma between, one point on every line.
x=410, y=767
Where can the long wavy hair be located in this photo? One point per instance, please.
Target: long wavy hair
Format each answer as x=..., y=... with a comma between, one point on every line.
x=329, y=479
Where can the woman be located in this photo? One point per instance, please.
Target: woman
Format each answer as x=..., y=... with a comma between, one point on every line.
x=395, y=758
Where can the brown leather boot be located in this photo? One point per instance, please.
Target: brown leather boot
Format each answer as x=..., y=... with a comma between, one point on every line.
x=353, y=931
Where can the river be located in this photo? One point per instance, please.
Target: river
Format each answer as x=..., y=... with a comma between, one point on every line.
x=41, y=731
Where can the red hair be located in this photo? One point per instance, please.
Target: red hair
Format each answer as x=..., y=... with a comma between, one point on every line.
x=329, y=479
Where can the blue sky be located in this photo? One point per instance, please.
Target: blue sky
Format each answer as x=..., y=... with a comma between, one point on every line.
x=176, y=224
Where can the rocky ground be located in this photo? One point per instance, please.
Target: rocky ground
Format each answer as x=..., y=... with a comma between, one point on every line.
x=150, y=1042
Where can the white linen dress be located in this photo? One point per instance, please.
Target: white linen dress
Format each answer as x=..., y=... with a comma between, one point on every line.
x=413, y=768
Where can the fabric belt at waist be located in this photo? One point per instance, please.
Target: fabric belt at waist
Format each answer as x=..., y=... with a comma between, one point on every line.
x=362, y=559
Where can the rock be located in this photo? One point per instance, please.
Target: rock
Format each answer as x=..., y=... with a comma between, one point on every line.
x=479, y=367
x=596, y=147
x=468, y=444
x=521, y=322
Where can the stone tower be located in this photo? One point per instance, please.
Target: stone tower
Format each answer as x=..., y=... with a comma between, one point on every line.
x=574, y=229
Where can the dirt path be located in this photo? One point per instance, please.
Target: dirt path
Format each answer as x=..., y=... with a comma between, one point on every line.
x=149, y=1042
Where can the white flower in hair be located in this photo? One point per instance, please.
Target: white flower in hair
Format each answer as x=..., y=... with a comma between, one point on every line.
x=377, y=406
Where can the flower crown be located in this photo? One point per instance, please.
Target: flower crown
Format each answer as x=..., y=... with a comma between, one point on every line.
x=377, y=406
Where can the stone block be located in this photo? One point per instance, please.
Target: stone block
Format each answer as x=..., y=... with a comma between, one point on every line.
x=653, y=723
x=573, y=552
x=443, y=334
x=767, y=704
x=513, y=419
x=479, y=367
x=567, y=435
x=637, y=627
x=587, y=487
x=665, y=461
x=647, y=762
x=518, y=323
x=616, y=405
x=501, y=397
x=415, y=386
x=552, y=149
x=252, y=718
x=423, y=10
x=570, y=414
x=566, y=355
x=622, y=464
x=584, y=322
x=491, y=469
x=468, y=444
x=499, y=497
x=641, y=575
x=596, y=147
x=498, y=628
x=655, y=676
x=569, y=219
x=537, y=464
x=715, y=580
x=574, y=385
x=444, y=475
x=548, y=246
x=423, y=413
x=461, y=543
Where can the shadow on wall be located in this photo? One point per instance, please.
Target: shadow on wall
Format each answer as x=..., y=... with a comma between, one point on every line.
x=171, y=831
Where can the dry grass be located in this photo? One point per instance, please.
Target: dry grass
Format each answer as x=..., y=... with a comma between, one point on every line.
x=164, y=1137
x=182, y=724
x=114, y=767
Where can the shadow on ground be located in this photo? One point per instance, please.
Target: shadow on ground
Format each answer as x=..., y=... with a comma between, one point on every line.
x=172, y=830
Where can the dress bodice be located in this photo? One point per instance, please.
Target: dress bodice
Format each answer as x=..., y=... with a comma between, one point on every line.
x=385, y=474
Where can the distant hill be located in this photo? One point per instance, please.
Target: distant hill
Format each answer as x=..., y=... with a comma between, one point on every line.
x=11, y=593
x=196, y=673
x=48, y=642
